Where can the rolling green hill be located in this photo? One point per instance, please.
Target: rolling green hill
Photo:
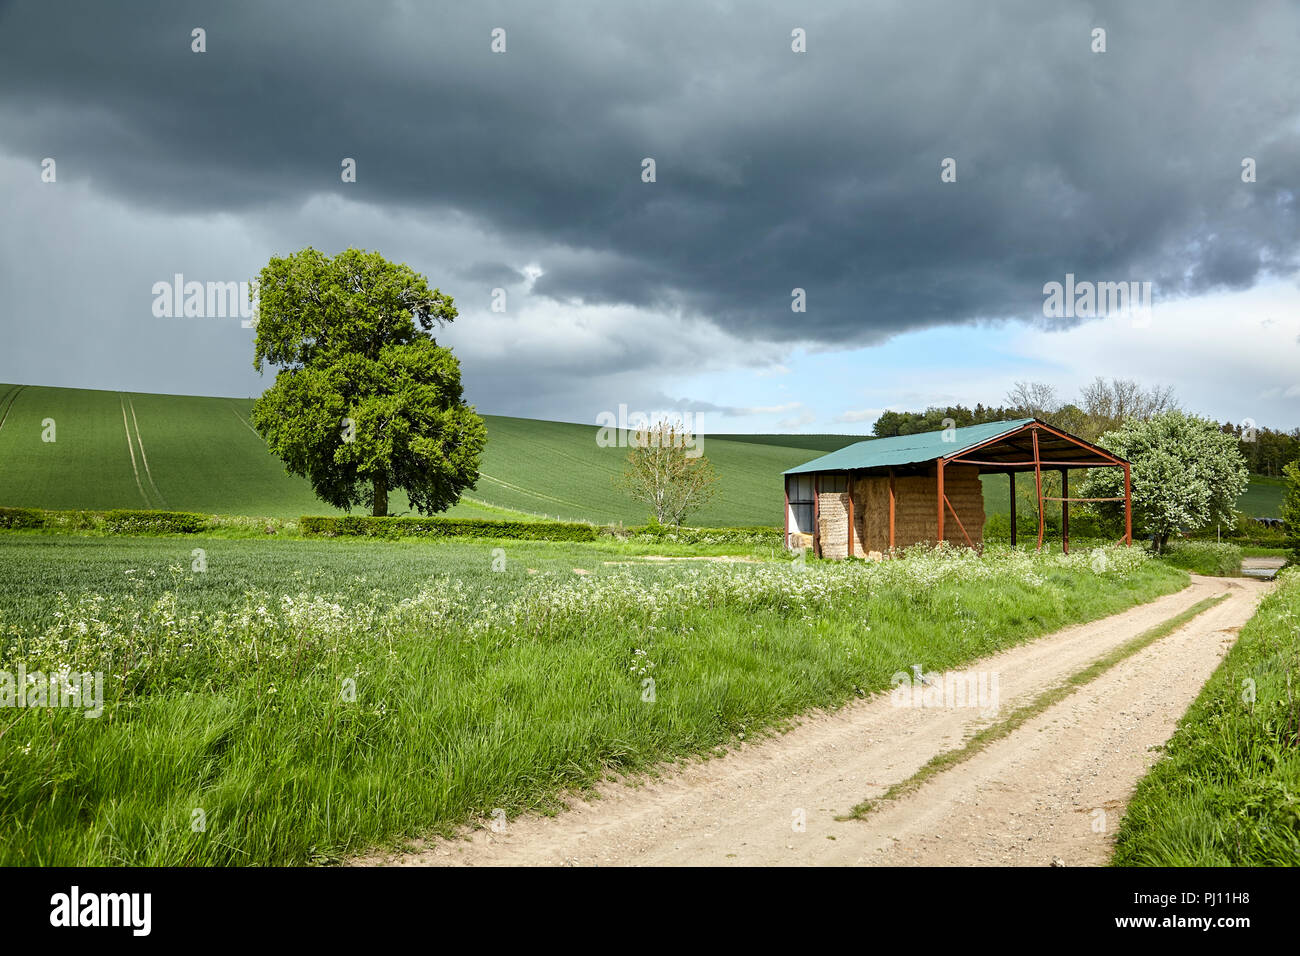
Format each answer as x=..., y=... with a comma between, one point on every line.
x=129, y=450
x=557, y=469
x=132, y=450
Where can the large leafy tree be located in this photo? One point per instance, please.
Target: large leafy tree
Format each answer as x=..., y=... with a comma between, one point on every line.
x=365, y=402
x=1186, y=474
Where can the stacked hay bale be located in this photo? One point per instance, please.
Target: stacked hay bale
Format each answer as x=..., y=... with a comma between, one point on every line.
x=966, y=492
x=915, y=511
x=833, y=524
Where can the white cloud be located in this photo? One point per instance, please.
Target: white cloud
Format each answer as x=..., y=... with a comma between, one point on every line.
x=859, y=415
x=770, y=409
x=1217, y=351
x=796, y=422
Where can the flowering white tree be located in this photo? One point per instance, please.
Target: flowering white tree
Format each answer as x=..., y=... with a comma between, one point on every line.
x=1186, y=474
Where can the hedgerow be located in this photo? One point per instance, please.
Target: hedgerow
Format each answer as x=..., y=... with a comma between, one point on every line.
x=22, y=518
x=117, y=521
x=373, y=527
x=123, y=521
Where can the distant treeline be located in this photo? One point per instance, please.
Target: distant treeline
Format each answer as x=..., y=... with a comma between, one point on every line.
x=935, y=419
x=1102, y=406
x=1270, y=451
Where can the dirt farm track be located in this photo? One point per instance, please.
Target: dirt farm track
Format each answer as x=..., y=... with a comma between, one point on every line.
x=1054, y=789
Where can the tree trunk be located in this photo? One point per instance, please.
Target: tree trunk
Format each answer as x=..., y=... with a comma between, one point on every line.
x=380, y=509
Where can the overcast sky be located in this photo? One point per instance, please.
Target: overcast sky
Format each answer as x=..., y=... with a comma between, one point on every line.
x=774, y=170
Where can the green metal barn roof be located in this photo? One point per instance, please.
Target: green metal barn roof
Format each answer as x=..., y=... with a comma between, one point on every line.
x=908, y=449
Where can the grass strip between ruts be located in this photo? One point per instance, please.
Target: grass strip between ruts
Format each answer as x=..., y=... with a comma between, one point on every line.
x=1017, y=718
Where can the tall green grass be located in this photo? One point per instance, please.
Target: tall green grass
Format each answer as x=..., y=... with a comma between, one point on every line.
x=1204, y=557
x=1227, y=791
x=475, y=689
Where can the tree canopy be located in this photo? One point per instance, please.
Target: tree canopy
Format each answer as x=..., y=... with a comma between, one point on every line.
x=1102, y=406
x=1186, y=474
x=365, y=401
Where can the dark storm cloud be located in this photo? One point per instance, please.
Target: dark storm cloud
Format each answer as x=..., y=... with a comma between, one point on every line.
x=493, y=273
x=775, y=170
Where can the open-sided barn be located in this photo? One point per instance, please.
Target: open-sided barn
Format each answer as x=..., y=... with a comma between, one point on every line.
x=886, y=493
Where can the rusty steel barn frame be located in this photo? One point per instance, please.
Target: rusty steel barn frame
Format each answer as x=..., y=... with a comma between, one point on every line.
x=1011, y=466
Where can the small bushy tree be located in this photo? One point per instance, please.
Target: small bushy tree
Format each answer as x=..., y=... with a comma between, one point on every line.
x=666, y=471
x=1186, y=475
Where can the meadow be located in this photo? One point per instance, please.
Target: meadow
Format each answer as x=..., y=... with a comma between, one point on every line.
x=1227, y=790
x=304, y=700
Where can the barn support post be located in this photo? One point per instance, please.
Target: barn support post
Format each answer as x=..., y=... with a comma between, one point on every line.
x=891, y=509
x=850, y=514
x=1012, y=476
x=1038, y=487
x=940, y=482
x=1065, y=511
x=1128, y=508
x=817, y=514
x=786, y=482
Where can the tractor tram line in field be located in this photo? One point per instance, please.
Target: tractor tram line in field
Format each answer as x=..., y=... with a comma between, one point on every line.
x=143, y=458
x=126, y=425
x=7, y=402
x=531, y=494
x=243, y=421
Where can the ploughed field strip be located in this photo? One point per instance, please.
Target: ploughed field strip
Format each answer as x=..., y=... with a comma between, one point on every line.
x=1053, y=789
